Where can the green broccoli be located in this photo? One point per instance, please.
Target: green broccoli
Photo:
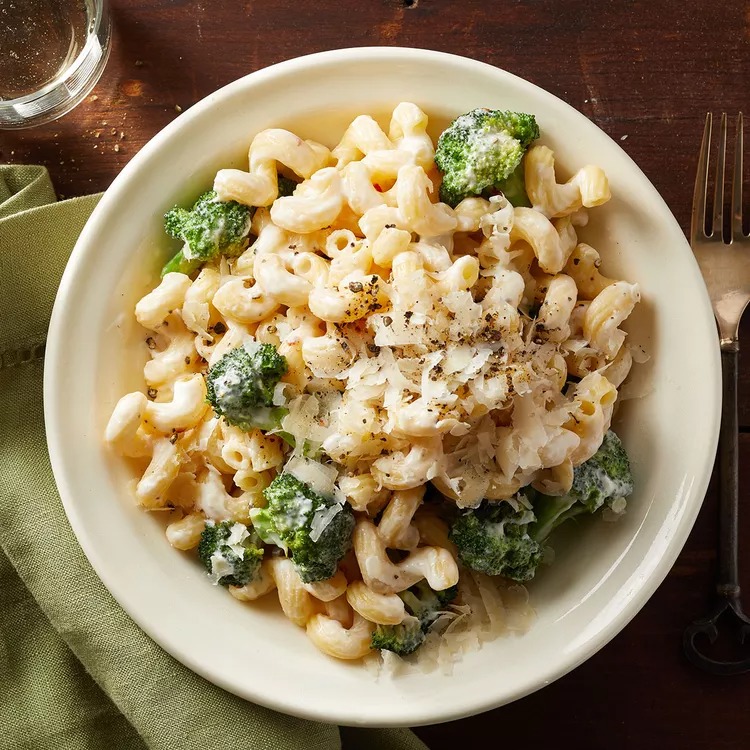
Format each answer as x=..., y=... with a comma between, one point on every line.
x=209, y=229
x=178, y=263
x=402, y=639
x=230, y=553
x=494, y=538
x=514, y=188
x=292, y=519
x=240, y=386
x=423, y=606
x=482, y=149
x=507, y=538
x=605, y=477
x=286, y=186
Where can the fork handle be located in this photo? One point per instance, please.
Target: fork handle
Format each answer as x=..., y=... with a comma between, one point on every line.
x=728, y=580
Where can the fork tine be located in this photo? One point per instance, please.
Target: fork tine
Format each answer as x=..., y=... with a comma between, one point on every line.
x=698, y=220
x=737, y=233
x=718, y=221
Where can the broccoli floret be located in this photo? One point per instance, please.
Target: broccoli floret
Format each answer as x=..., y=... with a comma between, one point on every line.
x=288, y=521
x=402, y=639
x=209, y=229
x=494, y=538
x=426, y=603
x=497, y=539
x=230, y=553
x=423, y=605
x=180, y=264
x=240, y=386
x=514, y=188
x=480, y=150
x=286, y=186
x=605, y=477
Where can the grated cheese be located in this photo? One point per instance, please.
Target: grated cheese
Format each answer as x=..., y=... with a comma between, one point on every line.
x=319, y=477
x=220, y=567
x=486, y=608
x=321, y=520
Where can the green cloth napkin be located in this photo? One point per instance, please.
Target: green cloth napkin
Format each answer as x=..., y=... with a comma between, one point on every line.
x=75, y=671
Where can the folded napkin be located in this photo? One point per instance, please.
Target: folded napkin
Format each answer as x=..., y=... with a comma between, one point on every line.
x=75, y=671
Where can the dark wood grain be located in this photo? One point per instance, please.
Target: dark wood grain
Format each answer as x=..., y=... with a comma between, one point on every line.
x=645, y=72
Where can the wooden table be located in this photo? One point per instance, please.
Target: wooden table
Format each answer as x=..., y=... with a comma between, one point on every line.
x=645, y=72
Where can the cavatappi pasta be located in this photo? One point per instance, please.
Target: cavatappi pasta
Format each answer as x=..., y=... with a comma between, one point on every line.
x=473, y=350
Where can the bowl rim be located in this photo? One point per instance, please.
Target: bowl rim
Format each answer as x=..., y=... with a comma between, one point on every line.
x=54, y=429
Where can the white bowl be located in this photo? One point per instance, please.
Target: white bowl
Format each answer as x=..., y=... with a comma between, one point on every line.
x=582, y=601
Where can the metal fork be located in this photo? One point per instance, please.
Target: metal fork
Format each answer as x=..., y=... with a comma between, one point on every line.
x=724, y=260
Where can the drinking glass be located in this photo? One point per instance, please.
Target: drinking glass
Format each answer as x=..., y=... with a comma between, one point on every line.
x=52, y=53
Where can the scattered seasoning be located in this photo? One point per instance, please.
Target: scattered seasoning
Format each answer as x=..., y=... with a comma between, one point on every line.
x=355, y=286
x=221, y=328
x=173, y=438
x=187, y=360
x=387, y=321
x=150, y=343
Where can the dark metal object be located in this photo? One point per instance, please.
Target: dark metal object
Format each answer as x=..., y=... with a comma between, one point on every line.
x=727, y=587
x=724, y=259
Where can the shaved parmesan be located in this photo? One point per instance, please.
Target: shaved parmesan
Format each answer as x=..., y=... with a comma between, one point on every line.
x=319, y=477
x=279, y=398
x=322, y=518
x=303, y=422
x=486, y=608
x=220, y=567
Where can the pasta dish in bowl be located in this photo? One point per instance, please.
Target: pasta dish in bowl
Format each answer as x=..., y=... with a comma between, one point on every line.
x=369, y=341
x=380, y=371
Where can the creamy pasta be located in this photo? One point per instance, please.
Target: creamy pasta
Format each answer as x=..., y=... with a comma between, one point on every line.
x=435, y=357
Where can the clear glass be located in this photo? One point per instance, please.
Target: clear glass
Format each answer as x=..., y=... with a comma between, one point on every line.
x=52, y=53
